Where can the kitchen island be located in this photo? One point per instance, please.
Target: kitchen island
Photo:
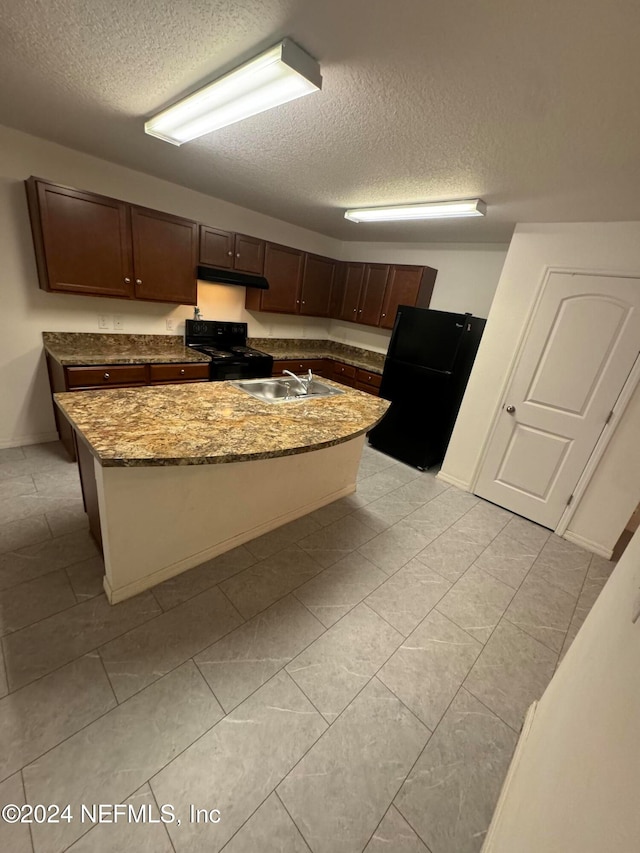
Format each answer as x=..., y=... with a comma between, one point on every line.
x=174, y=475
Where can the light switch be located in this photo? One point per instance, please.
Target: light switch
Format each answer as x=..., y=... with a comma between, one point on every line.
x=170, y=326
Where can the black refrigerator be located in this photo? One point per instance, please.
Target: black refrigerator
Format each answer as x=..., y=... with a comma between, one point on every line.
x=426, y=371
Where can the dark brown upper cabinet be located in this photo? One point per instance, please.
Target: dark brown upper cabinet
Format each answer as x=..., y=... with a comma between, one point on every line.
x=351, y=290
x=164, y=256
x=226, y=250
x=372, y=294
x=317, y=285
x=283, y=270
x=406, y=285
x=82, y=241
x=98, y=246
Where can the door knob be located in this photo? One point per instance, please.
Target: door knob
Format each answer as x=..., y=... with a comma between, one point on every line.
x=511, y=409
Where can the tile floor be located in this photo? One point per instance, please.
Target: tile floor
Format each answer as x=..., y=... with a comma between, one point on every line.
x=353, y=681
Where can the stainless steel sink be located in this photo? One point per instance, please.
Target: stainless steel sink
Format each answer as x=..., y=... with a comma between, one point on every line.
x=285, y=390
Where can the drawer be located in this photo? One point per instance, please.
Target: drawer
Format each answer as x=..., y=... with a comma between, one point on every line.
x=105, y=375
x=178, y=372
x=368, y=378
x=346, y=370
x=301, y=365
x=369, y=389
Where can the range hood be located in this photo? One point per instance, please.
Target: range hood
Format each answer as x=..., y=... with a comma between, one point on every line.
x=244, y=279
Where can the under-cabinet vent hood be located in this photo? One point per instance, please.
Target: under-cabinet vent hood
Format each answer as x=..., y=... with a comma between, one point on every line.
x=244, y=279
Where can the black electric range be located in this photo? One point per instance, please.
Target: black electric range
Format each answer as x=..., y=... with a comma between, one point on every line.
x=226, y=345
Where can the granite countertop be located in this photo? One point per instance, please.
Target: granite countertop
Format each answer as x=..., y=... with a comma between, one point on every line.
x=283, y=348
x=211, y=422
x=75, y=348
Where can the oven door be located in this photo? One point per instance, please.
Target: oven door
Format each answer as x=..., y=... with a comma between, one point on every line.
x=229, y=369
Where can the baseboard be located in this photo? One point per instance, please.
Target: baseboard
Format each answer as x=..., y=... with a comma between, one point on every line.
x=588, y=544
x=22, y=440
x=453, y=481
x=487, y=847
x=138, y=586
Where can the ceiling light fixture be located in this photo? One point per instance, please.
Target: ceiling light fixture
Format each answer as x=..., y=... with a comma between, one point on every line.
x=431, y=210
x=280, y=74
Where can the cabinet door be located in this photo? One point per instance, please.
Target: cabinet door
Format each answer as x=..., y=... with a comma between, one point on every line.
x=248, y=254
x=164, y=256
x=402, y=289
x=337, y=291
x=352, y=287
x=82, y=241
x=283, y=271
x=317, y=281
x=375, y=283
x=216, y=247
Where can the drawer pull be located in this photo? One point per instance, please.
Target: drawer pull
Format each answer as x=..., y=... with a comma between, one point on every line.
x=107, y=376
x=182, y=372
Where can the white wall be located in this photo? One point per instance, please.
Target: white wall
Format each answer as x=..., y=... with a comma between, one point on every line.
x=606, y=247
x=575, y=788
x=26, y=413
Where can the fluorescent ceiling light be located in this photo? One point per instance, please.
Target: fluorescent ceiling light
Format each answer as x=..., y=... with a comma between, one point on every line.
x=432, y=210
x=280, y=74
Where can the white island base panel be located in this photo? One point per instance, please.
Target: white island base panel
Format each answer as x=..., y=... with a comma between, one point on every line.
x=159, y=521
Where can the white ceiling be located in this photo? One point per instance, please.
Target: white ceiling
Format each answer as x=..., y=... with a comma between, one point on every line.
x=531, y=105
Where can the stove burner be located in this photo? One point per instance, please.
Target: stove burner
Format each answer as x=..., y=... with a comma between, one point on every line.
x=216, y=353
x=248, y=352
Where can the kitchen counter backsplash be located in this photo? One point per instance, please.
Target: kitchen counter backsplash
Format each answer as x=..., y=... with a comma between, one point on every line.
x=282, y=348
x=88, y=348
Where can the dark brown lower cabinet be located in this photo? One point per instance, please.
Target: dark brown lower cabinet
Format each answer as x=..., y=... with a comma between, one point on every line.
x=91, y=377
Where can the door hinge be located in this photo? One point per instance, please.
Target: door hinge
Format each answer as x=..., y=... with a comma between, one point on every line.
x=609, y=416
x=570, y=501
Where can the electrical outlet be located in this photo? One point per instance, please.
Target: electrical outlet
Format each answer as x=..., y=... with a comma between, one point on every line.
x=118, y=321
x=103, y=321
x=170, y=326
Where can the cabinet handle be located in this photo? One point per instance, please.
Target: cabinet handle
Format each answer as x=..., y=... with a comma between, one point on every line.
x=127, y=281
x=138, y=281
x=230, y=253
x=360, y=311
x=182, y=372
x=303, y=301
x=354, y=310
x=384, y=315
x=106, y=376
x=238, y=255
x=297, y=302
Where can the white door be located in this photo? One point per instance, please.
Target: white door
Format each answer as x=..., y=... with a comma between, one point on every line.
x=583, y=340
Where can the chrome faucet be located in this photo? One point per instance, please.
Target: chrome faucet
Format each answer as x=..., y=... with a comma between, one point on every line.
x=304, y=383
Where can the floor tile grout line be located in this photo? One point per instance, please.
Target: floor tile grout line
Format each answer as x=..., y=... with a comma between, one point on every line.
x=425, y=747
x=531, y=636
x=200, y=591
x=492, y=710
x=291, y=817
x=49, y=615
x=173, y=668
x=24, y=794
x=108, y=678
x=78, y=657
x=164, y=825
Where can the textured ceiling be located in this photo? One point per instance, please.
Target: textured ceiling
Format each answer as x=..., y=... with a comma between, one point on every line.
x=532, y=106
